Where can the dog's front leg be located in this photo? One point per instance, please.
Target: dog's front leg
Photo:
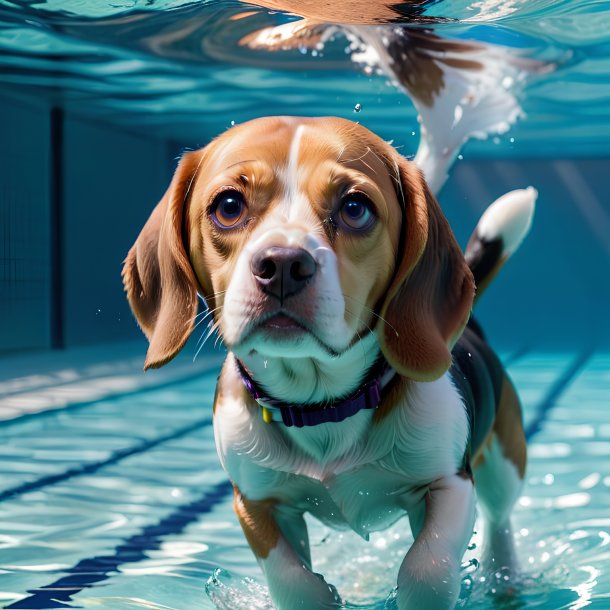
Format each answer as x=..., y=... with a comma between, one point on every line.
x=278, y=538
x=429, y=576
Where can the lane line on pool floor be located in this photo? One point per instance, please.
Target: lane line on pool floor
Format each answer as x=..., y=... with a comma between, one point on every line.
x=513, y=357
x=93, y=570
x=93, y=467
x=121, y=454
x=553, y=394
x=112, y=397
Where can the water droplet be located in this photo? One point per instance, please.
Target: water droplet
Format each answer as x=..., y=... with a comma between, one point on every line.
x=357, y=107
x=460, y=157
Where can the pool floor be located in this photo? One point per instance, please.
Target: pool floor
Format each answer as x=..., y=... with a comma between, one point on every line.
x=112, y=497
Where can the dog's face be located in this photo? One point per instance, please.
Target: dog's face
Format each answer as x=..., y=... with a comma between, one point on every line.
x=294, y=234
x=302, y=235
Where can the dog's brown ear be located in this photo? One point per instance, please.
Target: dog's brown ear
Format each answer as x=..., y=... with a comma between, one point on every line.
x=430, y=296
x=158, y=278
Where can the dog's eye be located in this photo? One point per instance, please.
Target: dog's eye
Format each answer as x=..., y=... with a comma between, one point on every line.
x=355, y=213
x=228, y=209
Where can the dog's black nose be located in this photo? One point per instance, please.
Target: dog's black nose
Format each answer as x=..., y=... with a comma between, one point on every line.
x=282, y=272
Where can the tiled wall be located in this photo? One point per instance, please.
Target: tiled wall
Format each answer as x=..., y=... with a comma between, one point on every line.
x=113, y=180
x=25, y=245
x=107, y=181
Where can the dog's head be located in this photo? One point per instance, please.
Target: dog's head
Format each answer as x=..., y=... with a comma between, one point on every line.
x=302, y=235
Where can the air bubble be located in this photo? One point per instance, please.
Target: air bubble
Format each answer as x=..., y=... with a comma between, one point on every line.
x=357, y=107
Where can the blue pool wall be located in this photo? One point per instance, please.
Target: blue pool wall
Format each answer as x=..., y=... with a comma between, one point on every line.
x=75, y=193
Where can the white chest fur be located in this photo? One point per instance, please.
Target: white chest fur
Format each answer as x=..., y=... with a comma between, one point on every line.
x=358, y=473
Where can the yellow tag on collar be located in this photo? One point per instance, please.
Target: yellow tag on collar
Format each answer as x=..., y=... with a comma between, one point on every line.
x=267, y=415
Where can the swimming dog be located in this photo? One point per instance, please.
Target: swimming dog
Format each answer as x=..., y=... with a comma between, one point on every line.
x=356, y=386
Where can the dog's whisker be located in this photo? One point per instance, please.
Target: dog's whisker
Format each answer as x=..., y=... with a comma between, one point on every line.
x=338, y=159
x=206, y=333
x=365, y=163
x=362, y=346
x=203, y=313
x=190, y=184
x=210, y=296
x=210, y=333
x=384, y=163
x=372, y=313
x=206, y=316
x=218, y=338
x=359, y=320
x=361, y=158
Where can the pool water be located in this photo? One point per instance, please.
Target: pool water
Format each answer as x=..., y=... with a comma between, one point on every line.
x=120, y=502
x=111, y=493
x=181, y=68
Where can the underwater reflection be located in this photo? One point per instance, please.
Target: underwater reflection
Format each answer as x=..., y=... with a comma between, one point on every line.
x=461, y=89
x=357, y=12
x=186, y=64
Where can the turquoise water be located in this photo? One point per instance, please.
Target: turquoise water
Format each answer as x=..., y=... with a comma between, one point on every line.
x=177, y=67
x=111, y=494
x=120, y=503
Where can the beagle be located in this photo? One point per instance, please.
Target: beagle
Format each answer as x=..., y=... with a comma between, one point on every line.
x=355, y=388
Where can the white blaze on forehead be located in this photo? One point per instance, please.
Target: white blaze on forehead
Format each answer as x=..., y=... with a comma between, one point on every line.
x=290, y=174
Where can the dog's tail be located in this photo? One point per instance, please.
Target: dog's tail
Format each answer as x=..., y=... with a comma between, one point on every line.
x=499, y=233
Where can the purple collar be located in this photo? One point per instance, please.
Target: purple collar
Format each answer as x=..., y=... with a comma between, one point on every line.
x=368, y=396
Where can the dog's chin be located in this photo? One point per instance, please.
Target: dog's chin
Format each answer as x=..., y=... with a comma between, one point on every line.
x=283, y=336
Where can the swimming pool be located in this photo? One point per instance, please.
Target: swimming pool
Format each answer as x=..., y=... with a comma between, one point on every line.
x=117, y=501
x=111, y=494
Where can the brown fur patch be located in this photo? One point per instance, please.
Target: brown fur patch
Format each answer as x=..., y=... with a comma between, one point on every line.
x=509, y=427
x=157, y=275
x=360, y=11
x=430, y=297
x=257, y=522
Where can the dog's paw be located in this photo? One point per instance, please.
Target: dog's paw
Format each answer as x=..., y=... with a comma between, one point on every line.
x=311, y=593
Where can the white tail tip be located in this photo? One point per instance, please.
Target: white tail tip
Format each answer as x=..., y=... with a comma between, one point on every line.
x=509, y=218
